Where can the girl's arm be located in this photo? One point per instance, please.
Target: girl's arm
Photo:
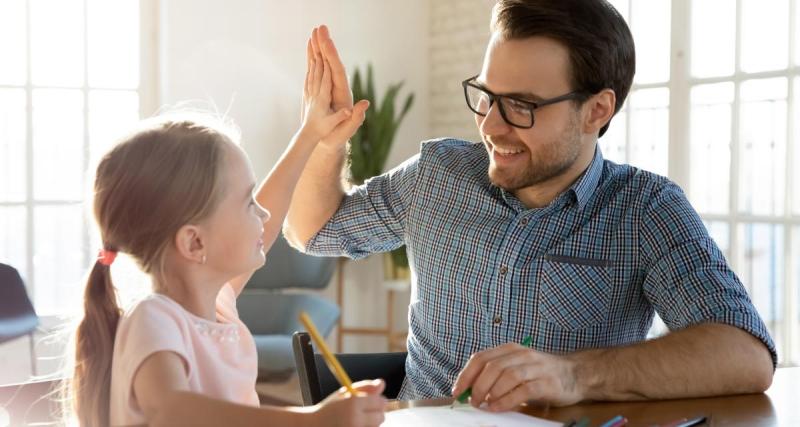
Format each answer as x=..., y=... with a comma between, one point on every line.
x=318, y=120
x=162, y=390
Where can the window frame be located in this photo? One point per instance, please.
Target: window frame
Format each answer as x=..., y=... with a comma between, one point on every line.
x=148, y=95
x=680, y=84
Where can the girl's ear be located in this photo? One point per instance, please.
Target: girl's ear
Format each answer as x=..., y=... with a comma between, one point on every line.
x=189, y=244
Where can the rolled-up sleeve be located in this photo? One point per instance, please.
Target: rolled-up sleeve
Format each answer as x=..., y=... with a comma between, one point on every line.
x=688, y=280
x=372, y=216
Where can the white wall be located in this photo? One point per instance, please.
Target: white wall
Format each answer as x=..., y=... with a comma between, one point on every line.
x=459, y=32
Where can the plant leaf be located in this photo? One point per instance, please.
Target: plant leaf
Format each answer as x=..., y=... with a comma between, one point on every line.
x=370, y=90
x=371, y=144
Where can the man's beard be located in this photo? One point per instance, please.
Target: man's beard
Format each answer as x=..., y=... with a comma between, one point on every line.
x=554, y=162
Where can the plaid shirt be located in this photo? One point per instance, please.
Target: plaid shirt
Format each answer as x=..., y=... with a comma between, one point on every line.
x=586, y=271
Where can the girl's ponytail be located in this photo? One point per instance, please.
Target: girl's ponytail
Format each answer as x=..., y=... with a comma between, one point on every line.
x=94, y=347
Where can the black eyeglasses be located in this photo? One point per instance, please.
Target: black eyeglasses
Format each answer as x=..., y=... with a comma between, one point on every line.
x=516, y=112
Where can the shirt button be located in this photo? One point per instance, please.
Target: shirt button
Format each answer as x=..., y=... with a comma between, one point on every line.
x=497, y=319
x=503, y=270
x=523, y=221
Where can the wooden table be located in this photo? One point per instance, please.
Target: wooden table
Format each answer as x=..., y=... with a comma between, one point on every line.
x=779, y=406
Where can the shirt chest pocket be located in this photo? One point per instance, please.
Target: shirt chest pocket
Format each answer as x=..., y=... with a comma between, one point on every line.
x=574, y=292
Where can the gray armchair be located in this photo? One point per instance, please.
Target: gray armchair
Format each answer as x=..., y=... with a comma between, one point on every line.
x=272, y=300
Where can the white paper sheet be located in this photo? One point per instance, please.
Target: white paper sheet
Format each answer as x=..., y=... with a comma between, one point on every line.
x=461, y=416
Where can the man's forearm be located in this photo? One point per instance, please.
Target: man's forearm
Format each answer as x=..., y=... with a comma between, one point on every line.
x=317, y=196
x=704, y=360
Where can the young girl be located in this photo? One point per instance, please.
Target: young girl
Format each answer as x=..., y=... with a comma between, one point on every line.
x=177, y=197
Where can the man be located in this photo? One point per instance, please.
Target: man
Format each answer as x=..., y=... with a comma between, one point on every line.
x=553, y=242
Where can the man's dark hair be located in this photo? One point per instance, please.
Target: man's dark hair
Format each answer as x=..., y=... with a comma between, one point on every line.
x=599, y=41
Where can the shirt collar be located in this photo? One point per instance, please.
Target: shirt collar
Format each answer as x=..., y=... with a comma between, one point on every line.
x=584, y=188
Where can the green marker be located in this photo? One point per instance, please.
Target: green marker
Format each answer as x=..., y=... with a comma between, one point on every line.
x=464, y=396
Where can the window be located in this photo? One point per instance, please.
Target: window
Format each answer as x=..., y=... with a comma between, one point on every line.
x=714, y=106
x=70, y=81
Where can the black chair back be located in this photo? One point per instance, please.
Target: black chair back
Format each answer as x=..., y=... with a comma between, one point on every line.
x=17, y=317
x=317, y=381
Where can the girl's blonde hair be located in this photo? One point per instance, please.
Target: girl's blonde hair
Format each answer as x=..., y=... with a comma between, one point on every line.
x=156, y=180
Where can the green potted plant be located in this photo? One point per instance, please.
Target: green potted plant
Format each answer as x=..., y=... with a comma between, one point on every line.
x=369, y=147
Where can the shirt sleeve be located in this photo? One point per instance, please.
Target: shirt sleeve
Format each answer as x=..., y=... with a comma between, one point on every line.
x=152, y=326
x=372, y=216
x=688, y=280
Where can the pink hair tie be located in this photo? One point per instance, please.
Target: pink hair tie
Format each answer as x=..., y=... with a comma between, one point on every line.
x=106, y=257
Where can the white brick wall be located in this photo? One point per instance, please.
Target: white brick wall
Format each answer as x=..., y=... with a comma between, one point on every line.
x=458, y=37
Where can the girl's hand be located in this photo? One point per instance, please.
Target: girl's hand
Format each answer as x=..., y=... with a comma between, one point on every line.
x=318, y=119
x=340, y=409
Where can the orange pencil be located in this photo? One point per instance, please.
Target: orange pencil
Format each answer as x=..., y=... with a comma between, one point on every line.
x=330, y=359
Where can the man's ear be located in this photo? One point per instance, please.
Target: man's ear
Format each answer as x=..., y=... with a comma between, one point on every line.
x=189, y=243
x=599, y=109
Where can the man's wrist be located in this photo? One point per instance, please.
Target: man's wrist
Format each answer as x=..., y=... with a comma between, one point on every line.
x=585, y=371
x=338, y=149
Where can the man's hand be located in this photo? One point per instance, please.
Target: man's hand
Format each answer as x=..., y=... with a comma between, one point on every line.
x=318, y=118
x=321, y=44
x=510, y=375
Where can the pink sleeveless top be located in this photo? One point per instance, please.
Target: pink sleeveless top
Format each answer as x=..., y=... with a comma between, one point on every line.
x=220, y=356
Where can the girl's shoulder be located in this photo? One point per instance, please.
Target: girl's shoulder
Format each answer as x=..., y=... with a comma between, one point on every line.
x=154, y=303
x=159, y=315
x=152, y=324
x=155, y=311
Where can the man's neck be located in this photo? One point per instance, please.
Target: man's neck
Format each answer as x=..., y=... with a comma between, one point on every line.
x=542, y=194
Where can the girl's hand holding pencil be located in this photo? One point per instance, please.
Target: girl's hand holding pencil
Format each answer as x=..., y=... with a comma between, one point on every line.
x=342, y=409
x=360, y=404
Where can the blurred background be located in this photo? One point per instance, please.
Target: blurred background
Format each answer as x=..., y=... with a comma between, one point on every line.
x=715, y=107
